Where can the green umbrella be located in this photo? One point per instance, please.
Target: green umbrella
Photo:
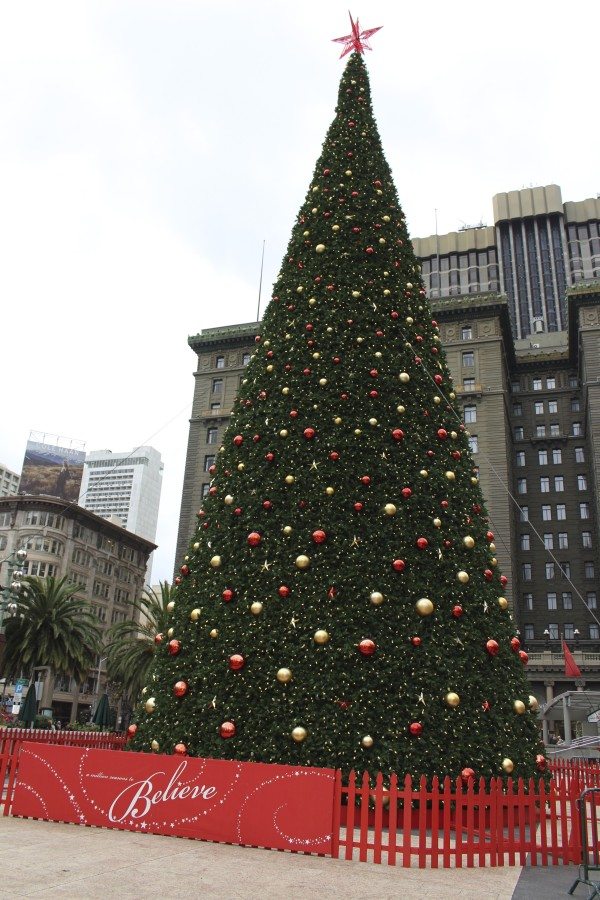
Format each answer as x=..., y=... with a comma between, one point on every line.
x=102, y=716
x=28, y=710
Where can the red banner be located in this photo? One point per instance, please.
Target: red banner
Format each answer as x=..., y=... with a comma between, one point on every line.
x=282, y=807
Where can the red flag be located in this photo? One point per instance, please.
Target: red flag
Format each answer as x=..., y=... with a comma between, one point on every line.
x=571, y=667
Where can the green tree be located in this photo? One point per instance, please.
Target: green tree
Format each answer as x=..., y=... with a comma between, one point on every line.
x=53, y=627
x=351, y=612
x=131, y=644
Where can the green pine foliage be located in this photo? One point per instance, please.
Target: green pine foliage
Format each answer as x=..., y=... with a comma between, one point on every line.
x=345, y=447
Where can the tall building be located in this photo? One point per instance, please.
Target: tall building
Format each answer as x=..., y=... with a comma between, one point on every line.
x=105, y=560
x=9, y=482
x=537, y=247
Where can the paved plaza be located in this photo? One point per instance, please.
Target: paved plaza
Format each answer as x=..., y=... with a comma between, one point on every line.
x=48, y=859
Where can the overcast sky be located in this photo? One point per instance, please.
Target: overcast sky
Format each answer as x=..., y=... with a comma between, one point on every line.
x=147, y=147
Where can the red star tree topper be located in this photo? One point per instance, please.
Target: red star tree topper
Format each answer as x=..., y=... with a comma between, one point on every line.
x=357, y=39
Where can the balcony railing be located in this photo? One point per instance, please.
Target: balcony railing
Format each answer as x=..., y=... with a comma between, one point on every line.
x=552, y=658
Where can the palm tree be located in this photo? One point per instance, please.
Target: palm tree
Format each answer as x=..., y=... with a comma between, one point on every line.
x=51, y=627
x=131, y=645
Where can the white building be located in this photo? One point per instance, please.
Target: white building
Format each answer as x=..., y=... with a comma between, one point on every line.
x=9, y=482
x=125, y=485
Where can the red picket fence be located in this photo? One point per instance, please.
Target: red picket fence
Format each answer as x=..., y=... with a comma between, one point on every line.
x=453, y=824
x=12, y=738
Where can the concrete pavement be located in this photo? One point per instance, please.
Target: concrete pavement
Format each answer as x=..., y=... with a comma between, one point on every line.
x=48, y=859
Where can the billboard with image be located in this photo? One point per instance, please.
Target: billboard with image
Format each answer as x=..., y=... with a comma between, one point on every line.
x=53, y=466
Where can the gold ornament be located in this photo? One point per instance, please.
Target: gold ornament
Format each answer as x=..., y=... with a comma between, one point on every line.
x=437, y=399
x=367, y=741
x=150, y=705
x=508, y=765
x=321, y=636
x=335, y=227
x=404, y=377
x=502, y=602
x=463, y=576
x=474, y=480
x=312, y=301
x=337, y=420
x=469, y=542
x=316, y=355
x=195, y=614
x=409, y=320
x=452, y=699
x=320, y=248
x=170, y=632
x=424, y=473
x=376, y=598
x=283, y=433
x=155, y=746
x=492, y=547
x=305, y=233
x=387, y=292
x=424, y=606
x=533, y=702
x=453, y=435
x=241, y=467
x=386, y=218
x=348, y=173
x=356, y=294
x=437, y=523
x=519, y=707
x=170, y=606
x=215, y=562
x=214, y=632
x=330, y=491
x=287, y=529
x=299, y=734
x=452, y=395
x=228, y=499
x=450, y=476
x=378, y=355
x=285, y=391
x=289, y=479
x=270, y=368
x=382, y=240
x=401, y=409
x=389, y=509
x=302, y=561
x=196, y=546
x=372, y=422
x=322, y=382
x=284, y=675
x=256, y=608
x=493, y=561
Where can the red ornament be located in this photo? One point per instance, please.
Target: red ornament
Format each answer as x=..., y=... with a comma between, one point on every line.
x=415, y=729
x=456, y=454
x=237, y=511
x=373, y=373
x=309, y=326
x=228, y=595
x=212, y=491
x=334, y=455
x=369, y=250
x=457, y=611
x=236, y=662
x=430, y=454
x=492, y=647
x=422, y=543
x=416, y=641
x=238, y=440
x=326, y=171
x=397, y=434
x=541, y=762
x=309, y=433
x=438, y=379
x=394, y=315
x=467, y=773
x=283, y=591
x=373, y=395
x=503, y=580
x=256, y=438
x=306, y=371
x=358, y=507
x=319, y=536
x=293, y=413
x=262, y=395
x=399, y=565
x=180, y=749
x=515, y=643
x=158, y=638
x=442, y=434
x=488, y=574
x=486, y=706
x=131, y=730
x=447, y=544
x=336, y=360
x=212, y=469
x=174, y=647
x=332, y=592
x=476, y=508
x=366, y=480
x=406, y=492
x=444, y=504
x=523, y=657
x=227, y=730
x=490, y=535
x=367, y=647
x=254, y=539
x=180, y=688
x=267, y=504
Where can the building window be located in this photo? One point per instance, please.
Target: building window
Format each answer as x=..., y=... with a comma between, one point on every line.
x=217, y=385
x=470, y=413
x=546, y=513
x=208, y=462
x=539, y=408
x=528, y=632
x=468, y=359
x=521, y=485
x=540, y=431
x=567, y=600
x=559, y=483
x=594, y=632
x=211, y=436
x=528, y=602
x=551, y=384
x=576, y=429
x=588, y=569
x=466, y=333
x=468, y=384
x=220, y=362
x=515, y=386
x=525, y=542
x=579, y=455
x=575, y=404
x=245, y=359
x=565, y=569
x=553, y=631
x=554, y=429
x=519, y=433
x=520, y=458
x=548, y=541
x=205, y=490
x=561, y=512
x=551, y=600
x=524, y=514
x=573, y=381
x=537, y=384
x=545, y=485
x=568, y=631
x=563, y=540
x=552, y=406
x=584, y=510
x=473, y=443
x=549, y=571
x=517, y=409
x=215, y=407
x=586, y=539
x=581, y=483
x=591, y=600
x=542, y=457
x=557, y=457
x=526, y=571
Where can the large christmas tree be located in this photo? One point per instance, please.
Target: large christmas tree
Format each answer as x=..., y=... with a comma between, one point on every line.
x=340, y=603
